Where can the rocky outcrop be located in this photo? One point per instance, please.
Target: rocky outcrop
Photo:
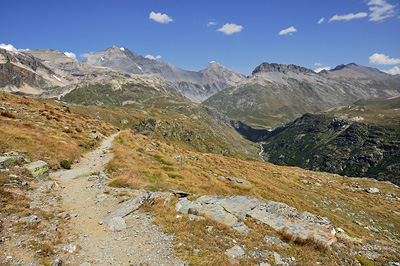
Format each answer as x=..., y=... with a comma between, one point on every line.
x=273, y=67
x=232, y=210
x=10, y=158
x=39, y=169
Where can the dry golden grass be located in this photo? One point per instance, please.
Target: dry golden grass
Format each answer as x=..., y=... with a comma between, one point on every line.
x=43, y=130
x=160, y=166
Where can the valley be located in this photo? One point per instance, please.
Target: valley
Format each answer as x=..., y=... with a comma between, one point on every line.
x=143, y=163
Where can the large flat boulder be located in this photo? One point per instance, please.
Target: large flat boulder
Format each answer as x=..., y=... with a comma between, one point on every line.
x=231, y=210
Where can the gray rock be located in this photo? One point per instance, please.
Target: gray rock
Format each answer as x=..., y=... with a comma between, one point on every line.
x=372, y=190
x=64, y=215
x=117, y=224
x=228, y=210
x=70, y=248
x=276, y=241
x=278, y=259
x=235, y=252
x=30, y=219
x=264, y=264
x=180, y=194
x=7, y=160
x=127, y=207
x=56, y=262
x=39, y=169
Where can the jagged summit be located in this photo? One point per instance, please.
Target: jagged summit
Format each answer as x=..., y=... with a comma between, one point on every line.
x=274, y=67
x=339, y=67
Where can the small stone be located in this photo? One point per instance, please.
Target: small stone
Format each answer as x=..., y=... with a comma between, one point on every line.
x=235, y=252
x=117, y=224
x=278, y=259
x=64, y=215
x=372, y=190
x=56, y=262
x=70, y=248
x=30, y=219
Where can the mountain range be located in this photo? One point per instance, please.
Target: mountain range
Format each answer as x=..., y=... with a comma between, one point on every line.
x=275, y=94
x=272, y=95
x=196, y=86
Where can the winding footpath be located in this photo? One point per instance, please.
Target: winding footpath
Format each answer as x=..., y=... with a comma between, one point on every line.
x=87, y=199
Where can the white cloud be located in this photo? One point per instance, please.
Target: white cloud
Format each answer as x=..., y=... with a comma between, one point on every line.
x=321, y=20
x=70, y=55
x=161, y=18
x=322, y=68
x=393, y=71
x=380, y=10
x=289, y=31
x=149, y=56
x=212, y=23
x=317, y=64
x=348, y=16
x=85, y=55
x=381, y=59
x=10, y=47
x=230, y=28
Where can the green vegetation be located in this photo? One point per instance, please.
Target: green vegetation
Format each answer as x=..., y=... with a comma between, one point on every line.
x=365, y=146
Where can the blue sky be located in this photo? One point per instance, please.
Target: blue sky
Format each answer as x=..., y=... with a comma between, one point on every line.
x=241, y=35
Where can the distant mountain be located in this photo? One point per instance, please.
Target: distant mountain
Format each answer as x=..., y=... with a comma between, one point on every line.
x=197, y=86
x=275, y=94
x=362, y=140
x=20, y=72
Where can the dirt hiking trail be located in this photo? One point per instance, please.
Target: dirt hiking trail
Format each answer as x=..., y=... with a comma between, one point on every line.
x=87, y=199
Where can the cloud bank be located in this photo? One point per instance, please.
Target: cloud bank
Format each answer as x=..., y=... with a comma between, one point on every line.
x=230, y=28
x=322, y=68
x=149, y=56
x=380, y=10
x=10, y=47
x=289, y=31
x=70, y=55
x=160, y=18
x=393, y=71
x=348, y=16
x=381, y=59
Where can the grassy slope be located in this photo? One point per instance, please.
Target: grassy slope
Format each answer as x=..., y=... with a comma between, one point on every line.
x=143, y=162
x=43, y=130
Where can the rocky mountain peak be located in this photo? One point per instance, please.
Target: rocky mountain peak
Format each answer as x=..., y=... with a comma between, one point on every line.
x=350, y=65
x=281, y=68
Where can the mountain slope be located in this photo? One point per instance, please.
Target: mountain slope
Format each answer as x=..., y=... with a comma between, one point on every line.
x=197, y=86
x=275, y=93
x=357, y=140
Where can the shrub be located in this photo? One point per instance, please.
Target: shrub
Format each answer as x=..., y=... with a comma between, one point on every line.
x=65, y=164
x=8, y=114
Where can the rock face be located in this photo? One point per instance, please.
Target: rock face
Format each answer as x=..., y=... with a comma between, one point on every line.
x=275, y=94
x=39, y=169
x=197, y=86
x=23, y=72
x=281, y=217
